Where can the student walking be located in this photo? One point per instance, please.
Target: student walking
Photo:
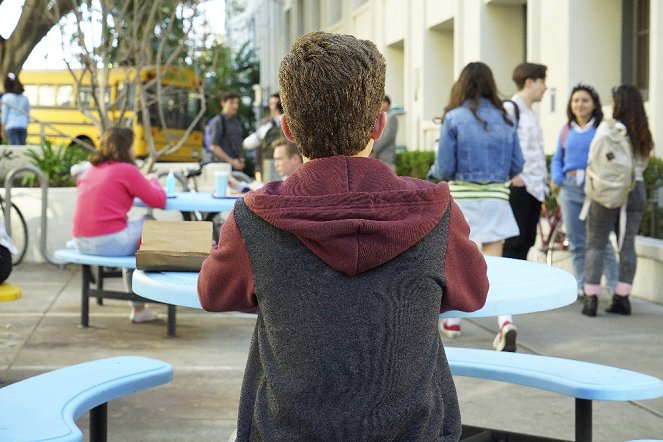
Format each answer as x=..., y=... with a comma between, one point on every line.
x=479, y=152
x=629, y=128
x=568, y=176
x=528, y=188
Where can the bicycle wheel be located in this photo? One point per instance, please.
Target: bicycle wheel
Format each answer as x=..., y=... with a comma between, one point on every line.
x=19, y=232
x=543, y=238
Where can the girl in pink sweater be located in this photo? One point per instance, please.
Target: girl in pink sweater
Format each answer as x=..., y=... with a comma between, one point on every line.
x=106, y=193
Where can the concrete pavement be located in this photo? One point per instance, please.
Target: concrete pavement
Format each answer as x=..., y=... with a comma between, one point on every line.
x=41, y=332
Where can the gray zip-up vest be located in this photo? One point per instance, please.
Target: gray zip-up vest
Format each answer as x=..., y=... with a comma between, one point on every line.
x=345, y=358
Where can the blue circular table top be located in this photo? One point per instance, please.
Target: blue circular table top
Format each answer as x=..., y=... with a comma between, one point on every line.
x=516, y=287
x=192, y=201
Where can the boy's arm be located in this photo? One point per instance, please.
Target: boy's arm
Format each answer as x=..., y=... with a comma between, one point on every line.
x=517, y=158
x=557, y=164
x=465, y=268
x=225, y=282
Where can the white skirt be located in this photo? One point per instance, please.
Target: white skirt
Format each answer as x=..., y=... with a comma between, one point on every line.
x=489, y=220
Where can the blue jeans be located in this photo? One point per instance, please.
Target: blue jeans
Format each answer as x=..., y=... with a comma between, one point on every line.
x=122, y=243
x=571, y=198
x=17, y=135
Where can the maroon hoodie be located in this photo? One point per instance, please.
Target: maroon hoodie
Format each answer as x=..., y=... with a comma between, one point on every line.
x=355, y=214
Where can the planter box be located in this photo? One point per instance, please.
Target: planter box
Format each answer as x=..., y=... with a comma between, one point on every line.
x=649, y=274
x=60, y=211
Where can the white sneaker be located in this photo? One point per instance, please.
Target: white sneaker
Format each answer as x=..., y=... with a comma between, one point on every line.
x=145, y=315
x=506, y=338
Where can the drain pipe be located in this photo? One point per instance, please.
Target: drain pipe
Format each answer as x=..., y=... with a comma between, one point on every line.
x=43, y=181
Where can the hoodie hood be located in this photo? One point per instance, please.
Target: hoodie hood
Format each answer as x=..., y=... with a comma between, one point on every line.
x=354, y=213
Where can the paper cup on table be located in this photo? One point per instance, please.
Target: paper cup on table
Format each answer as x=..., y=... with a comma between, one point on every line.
x=220, y=183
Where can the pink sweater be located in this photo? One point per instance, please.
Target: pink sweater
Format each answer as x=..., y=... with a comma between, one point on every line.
x=105, y=195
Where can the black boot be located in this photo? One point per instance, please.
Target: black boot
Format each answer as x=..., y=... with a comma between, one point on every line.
x=620, y=305
x=590, y=304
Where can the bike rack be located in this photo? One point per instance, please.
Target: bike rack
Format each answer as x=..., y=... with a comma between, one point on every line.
x=43, y=182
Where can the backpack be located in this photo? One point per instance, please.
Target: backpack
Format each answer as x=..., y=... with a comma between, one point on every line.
x=272, y=134
x=516, y=110
x=210, y=130
x=610, y=174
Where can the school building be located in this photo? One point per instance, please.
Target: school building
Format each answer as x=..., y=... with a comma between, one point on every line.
x=427, y=42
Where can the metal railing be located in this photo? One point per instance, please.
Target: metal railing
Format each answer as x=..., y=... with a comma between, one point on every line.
x=43, y=182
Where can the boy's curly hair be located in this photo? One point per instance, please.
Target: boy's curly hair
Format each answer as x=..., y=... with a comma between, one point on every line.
x=331, y=87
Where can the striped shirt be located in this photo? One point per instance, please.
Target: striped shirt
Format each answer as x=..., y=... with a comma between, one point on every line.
x=465, y=190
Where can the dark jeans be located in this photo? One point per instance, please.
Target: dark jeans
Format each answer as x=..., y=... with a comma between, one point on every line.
x=600, y=222
x=16, y=136
x=527, y=210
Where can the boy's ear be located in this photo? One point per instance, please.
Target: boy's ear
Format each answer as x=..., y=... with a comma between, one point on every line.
x=380, y=124
x=528, y=83
x=286, y=129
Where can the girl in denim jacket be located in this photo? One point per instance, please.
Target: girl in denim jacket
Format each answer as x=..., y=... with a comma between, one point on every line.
x=478, y=154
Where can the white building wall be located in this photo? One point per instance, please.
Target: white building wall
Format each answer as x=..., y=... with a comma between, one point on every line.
x=427, y=42
x=655, y=107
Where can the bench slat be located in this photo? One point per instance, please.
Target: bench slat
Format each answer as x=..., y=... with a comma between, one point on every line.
x=47, y=406
x=65, y=256
x=583, y=380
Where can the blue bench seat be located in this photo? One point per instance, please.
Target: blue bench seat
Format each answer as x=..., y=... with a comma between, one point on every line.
x=73, y=256
x=584, y=381
x=47, y=406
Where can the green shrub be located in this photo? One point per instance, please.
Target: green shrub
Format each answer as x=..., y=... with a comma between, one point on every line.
x=653, y=176
x=414, y=163
x=55, y=162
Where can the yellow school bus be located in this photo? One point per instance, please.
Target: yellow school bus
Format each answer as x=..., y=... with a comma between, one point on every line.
x=57, y=100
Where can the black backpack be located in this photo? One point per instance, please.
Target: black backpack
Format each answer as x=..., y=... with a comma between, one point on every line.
x=273, y=134
x=516, y=110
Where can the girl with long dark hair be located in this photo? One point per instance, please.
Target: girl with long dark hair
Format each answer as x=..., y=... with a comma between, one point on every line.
x=479, y=153
x=630, y=124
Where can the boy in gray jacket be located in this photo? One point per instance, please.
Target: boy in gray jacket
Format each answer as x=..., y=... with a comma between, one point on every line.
x=349, y=265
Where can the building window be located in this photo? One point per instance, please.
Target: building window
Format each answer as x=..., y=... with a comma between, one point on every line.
x=642, y=45
x=635, y=44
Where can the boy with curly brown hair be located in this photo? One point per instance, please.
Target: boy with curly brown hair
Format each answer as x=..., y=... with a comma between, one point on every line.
x=349, y=265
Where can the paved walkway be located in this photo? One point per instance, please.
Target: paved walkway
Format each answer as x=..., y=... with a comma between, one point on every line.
x=41, y=332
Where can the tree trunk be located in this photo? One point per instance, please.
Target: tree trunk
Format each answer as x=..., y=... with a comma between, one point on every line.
x=35, y=22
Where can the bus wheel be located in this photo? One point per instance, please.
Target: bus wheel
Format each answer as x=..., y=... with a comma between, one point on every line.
x=83, y=142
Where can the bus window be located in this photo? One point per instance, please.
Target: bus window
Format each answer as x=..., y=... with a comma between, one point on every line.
x=122, y=96
x=85, y=99
x=31, y=92
x=65, y=96
x=176, y=108
x=46, y=95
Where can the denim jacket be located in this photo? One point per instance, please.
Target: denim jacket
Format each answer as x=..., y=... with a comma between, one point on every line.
x=468, y=152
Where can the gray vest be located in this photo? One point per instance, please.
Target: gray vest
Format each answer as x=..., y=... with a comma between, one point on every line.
x=337, y=357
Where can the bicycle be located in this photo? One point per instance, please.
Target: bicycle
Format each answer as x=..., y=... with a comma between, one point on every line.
x=551, y=233
x=19, y=227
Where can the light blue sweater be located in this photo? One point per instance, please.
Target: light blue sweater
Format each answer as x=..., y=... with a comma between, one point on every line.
x=574, y=156
x=15, y=111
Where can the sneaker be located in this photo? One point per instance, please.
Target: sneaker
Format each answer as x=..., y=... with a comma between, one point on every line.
x=506, y=338
x=450, y=331
x=145, y=315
